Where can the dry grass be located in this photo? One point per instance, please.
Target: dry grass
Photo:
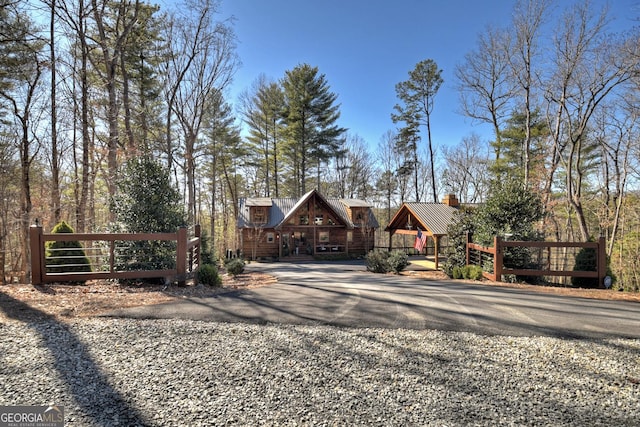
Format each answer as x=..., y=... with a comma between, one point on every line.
x=96, y=297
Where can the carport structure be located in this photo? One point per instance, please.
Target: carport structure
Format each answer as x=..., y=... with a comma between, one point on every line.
x=432, y=219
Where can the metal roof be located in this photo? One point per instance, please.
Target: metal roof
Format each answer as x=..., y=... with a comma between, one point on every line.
x=281, y=208
x=435, y=217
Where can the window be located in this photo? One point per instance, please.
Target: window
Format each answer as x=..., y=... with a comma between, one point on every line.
x=349, y=236
x=323, y=237
x=270, y=237
x=318, y=220
x=259, y=215
x=304, y=219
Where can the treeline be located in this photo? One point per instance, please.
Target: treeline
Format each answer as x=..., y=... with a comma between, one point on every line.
x=87, y=84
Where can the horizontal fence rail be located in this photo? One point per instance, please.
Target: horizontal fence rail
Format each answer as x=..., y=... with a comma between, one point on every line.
x=101, y=249
x=491, y=259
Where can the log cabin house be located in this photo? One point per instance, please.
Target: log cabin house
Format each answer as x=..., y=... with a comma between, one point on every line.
x=289, y=229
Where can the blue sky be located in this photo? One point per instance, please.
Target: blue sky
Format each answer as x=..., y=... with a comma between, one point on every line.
x=365, y=47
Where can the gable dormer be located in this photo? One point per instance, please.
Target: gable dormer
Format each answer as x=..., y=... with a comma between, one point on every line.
x=259, y=208
x=358, y=211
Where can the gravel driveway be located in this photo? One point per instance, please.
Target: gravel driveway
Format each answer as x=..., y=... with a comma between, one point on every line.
x=124, y=372
x=170, y=372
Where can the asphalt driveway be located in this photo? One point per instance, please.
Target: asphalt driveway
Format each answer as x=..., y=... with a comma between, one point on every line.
x=345, y=294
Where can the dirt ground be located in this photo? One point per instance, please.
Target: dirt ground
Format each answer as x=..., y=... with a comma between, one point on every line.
x=64, y=301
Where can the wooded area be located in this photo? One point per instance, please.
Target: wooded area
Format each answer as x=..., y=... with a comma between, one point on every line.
x=87, y=84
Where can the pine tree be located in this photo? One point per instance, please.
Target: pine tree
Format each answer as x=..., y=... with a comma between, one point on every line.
x=310, y=114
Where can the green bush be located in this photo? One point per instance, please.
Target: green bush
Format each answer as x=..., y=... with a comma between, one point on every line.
x=377, y=262
x=235, y=266
x=146, y=202
x=586, y=260
x=397, y=261
x=468, y=272
x=463, y=222
x=473, y=272
x=65, y=257
x=208, y=275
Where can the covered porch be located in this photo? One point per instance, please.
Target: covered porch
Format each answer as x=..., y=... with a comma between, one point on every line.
x=429, y=219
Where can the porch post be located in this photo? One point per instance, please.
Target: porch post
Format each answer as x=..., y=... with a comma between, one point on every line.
x=436, y=241
x=279, y=242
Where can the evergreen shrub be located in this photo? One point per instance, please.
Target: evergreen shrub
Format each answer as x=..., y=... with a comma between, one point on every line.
x=65, y=257
x=377, y=262
x=208, y=275
x=397, y=261
x=235, y=266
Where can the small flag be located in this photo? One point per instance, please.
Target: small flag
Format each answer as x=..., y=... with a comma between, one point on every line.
x=421, y=240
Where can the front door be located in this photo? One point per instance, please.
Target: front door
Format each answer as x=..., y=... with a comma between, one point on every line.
x=286, y=244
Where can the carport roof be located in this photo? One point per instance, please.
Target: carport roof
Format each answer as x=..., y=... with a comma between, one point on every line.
x=431, y=217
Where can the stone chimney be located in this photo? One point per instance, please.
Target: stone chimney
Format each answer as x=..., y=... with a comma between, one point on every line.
x=451, y=200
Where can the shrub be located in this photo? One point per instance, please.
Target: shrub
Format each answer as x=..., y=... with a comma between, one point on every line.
x=463, y=222
x=235, y=266
x=377, y=262
x=65, y=257
x=587, y=260
x=474, y=272
x=139, y=210
x=208, y=275
x=456, y=272
x=397, y=261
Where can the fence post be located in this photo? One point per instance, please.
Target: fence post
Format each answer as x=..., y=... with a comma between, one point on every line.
x=181, y=253
x=498, y=258
x=602, y=260
x=468, y=241
x=35, y=244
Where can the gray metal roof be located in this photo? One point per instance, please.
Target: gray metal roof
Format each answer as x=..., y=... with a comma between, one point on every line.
x=435, y=216
x=281, y=208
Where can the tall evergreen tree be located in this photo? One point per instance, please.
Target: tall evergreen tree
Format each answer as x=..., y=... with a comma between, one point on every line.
x=418, y=93
x=262, y=112
x=522, y=149
x=310, y=113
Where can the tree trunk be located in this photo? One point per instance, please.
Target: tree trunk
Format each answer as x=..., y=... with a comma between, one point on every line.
x=55, y=166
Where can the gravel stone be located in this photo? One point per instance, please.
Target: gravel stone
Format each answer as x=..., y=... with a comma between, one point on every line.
x=123, y=372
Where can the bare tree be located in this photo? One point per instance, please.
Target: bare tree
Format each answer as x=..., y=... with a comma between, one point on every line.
x=386, y=183
x=466, y=169
x=486, y=89
x=529, y=17
x=616, y=131
x=587, y=69
x=201, y=65
x=20, y=90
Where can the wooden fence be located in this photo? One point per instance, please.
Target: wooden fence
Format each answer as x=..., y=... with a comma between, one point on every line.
x=187, y=261
x=495, y=257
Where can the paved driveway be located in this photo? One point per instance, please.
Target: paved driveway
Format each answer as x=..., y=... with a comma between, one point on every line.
x=345, y=294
